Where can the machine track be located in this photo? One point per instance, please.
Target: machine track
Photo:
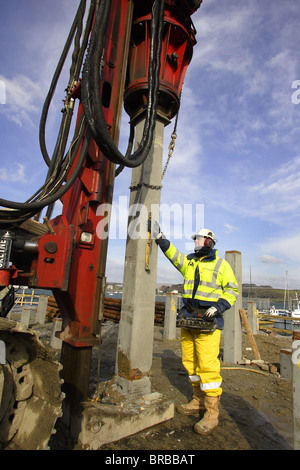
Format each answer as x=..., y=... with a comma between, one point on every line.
x=30, y=389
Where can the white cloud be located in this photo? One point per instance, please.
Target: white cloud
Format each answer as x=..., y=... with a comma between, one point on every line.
x=273, y=196
x=278, y=194
x=246, y=83
x=269, y=259
x=285, y=245
x=230, y=228
x=22, y=95
x=13, y=174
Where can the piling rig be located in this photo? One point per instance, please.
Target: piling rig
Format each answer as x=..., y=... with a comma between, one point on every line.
x=134, y=52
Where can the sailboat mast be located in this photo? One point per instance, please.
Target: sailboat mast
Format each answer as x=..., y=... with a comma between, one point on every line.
x=285, y=290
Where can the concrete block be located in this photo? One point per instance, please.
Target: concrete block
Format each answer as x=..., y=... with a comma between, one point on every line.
x=136, y=327
x=232, y=352
x=296, y=393
x=25, y=316
x=286, y=363
x=42, y=309
x=56, y=342
x=96, y=424
x=134, y=388
x=252, y=317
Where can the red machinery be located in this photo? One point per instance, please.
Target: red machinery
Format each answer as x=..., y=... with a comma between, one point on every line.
x=138, y=52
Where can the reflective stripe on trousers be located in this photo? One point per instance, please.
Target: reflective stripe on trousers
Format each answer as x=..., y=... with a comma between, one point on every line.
x=200, y=359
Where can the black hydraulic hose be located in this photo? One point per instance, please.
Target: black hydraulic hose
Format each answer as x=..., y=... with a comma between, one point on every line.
x=54, y=81
x=57, y=177
x=55, y=182
x=77, y=59
x=58, y=194
x=142, y=152
x=129, y=149
x=46, y=190
x=68, y=162
x=98, y=36
x=91, y=88
x=59, y=168
x=59, y=147
x=85, y=40
x=15, y=218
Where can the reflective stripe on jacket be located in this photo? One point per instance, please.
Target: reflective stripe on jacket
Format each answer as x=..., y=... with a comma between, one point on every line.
x=207, y=281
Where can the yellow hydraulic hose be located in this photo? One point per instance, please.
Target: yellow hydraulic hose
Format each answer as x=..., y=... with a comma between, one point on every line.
x=245, y=368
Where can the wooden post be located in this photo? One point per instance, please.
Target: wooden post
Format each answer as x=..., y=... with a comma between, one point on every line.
x=249, y=334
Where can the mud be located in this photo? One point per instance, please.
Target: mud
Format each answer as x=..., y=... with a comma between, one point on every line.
x=255, y=411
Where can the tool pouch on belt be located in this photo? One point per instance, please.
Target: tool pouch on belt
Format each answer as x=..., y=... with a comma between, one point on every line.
x=193, y=318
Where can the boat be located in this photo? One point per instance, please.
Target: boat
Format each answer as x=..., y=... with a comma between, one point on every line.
x=296, y=308
x=280, y=312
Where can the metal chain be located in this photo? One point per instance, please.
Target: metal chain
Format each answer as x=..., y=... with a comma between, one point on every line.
x=171, y=150
x=150, y=186
x=171, y=146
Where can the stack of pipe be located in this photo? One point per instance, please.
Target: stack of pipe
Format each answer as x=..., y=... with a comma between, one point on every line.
x=52, y=309
x=112, y=310
x=159, y=313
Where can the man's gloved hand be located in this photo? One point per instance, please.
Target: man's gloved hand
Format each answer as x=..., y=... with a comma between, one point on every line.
x=154, y=229
x=211, y=312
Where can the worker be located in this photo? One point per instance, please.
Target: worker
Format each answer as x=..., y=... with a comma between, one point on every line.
x=210, y=288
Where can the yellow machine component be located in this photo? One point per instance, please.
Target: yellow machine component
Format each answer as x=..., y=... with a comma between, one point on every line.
x=149, y=241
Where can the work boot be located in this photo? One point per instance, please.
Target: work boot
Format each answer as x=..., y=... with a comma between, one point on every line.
x=194, y=406
x=210, y=419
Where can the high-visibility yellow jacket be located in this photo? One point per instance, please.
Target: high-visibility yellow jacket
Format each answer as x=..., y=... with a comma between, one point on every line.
x=208, y=281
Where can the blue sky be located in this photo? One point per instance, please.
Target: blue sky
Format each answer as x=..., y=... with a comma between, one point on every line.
x=237, y=151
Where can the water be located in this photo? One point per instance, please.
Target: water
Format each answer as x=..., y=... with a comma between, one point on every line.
x=28, y=291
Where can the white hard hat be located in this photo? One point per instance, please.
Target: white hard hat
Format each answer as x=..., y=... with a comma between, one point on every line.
x=204, y=232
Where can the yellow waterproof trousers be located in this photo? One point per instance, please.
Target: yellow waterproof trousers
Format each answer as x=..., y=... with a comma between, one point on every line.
x=200, y=358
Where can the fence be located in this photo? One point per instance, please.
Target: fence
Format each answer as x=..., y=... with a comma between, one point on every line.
x=31, y=306
x=278, y=324
x=27, y=298
x=112, y=311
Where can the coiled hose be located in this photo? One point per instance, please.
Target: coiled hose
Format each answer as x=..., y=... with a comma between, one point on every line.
x=91, y=99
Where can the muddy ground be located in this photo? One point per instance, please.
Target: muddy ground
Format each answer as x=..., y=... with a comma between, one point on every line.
x=255, y=411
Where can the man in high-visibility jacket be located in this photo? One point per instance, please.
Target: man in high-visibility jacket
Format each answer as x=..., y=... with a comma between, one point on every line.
x=209, y=289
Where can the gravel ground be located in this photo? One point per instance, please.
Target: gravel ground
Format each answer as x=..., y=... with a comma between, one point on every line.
x=255, y=411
